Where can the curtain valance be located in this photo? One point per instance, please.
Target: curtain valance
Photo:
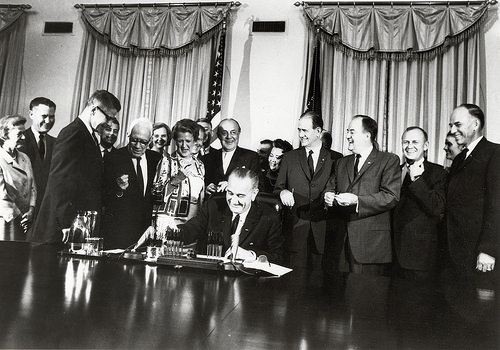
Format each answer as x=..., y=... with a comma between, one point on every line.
x=395, y=32
x=154, y=30
x=9, y=16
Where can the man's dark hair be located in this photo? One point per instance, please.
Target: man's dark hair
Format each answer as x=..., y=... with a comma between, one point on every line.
x=326, y=138
x=282, y=144
x=474, y=111
x=242, y=172
x=317, y=121
x=266, y=142
x=410, y=128
x=370, y=126
x=186, y=125
x=41, y=101
x=106, y=100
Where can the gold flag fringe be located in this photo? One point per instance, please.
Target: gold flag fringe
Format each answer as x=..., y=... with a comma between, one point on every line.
x=373, y=54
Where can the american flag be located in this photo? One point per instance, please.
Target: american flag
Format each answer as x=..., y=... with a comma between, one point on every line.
x=314, y=95
x=215, y=89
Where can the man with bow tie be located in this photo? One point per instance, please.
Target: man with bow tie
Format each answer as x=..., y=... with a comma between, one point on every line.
x=417, y=216
x=473, y=207
x=302, y=178
x=363, y=189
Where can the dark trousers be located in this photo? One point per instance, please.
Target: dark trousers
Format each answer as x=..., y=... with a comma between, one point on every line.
x=348, y=263
x=307, y=258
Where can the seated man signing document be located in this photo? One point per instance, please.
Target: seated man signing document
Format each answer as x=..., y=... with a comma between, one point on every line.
x=248, y=229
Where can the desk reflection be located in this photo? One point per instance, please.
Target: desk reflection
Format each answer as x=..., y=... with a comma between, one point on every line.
x=49, y=301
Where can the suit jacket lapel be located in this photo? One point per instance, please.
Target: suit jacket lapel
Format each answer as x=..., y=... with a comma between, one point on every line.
x=472, y=156
x=232, y=164
x=369, y=161
x=250, y=222
x=90, y=139
x=151, y=171
x=227, y=217
x=303, y=162
x=350, y=168
x=321, y=160
x=32, y=144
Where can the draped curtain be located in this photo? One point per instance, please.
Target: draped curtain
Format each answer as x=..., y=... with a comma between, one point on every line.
x=156, y=60
x=12, y=36
x=401, y=65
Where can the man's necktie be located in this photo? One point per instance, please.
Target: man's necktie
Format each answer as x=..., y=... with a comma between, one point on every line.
x=41, y=146
x=310, y=162
x=407, y=180
x=234, y=239
x=356, y=165
x=140, y=180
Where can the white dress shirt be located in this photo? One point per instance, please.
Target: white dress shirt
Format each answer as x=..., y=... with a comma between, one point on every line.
x=315, y=154
x=226, y=159
x=144, y=168
x=363, y=156
x=473, y=145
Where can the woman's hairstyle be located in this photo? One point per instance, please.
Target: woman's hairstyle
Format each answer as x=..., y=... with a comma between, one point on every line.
x=186, y=125
x=160, y=125
x=7, y=123
x=282, y=144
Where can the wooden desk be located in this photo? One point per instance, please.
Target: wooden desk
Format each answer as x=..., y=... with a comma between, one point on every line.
x=49, y=301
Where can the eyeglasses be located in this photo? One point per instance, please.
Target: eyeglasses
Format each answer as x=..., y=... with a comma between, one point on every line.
x=142, y=142
x=102, y=111
x=225, y=133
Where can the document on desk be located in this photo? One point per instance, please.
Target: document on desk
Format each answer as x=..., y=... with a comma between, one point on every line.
x=273, y=269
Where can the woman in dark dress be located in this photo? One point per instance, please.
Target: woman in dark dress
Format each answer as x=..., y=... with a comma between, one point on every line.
x=269, y=179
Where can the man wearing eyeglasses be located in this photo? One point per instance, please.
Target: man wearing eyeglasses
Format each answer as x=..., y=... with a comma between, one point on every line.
x=128, y=177
x=219, y=163
x=75, y=176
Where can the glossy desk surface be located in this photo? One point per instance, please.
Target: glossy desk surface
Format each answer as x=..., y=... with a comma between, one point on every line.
x=49, y=301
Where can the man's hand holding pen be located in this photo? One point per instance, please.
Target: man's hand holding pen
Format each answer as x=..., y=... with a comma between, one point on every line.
x=341, y=199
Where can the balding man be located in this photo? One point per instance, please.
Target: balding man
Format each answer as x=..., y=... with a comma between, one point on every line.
x=219, y=163
x=128, y=177
x=417, y=216
x=248, y=229
x=473, y=206
x=302, y=178
x=364, y=189
x=75, y=177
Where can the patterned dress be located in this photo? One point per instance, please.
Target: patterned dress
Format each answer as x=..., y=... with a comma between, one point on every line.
x=183, y=184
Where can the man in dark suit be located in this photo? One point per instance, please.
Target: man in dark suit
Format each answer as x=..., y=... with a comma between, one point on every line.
x=365, y=187
x=219, y=163
x=75, y=177
x=473, y=207
x=108, y=134
x=208, y=136
x=417, y=216
x=128, y=177
x=38, y=144
x=247, y=229
x=302, y=178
